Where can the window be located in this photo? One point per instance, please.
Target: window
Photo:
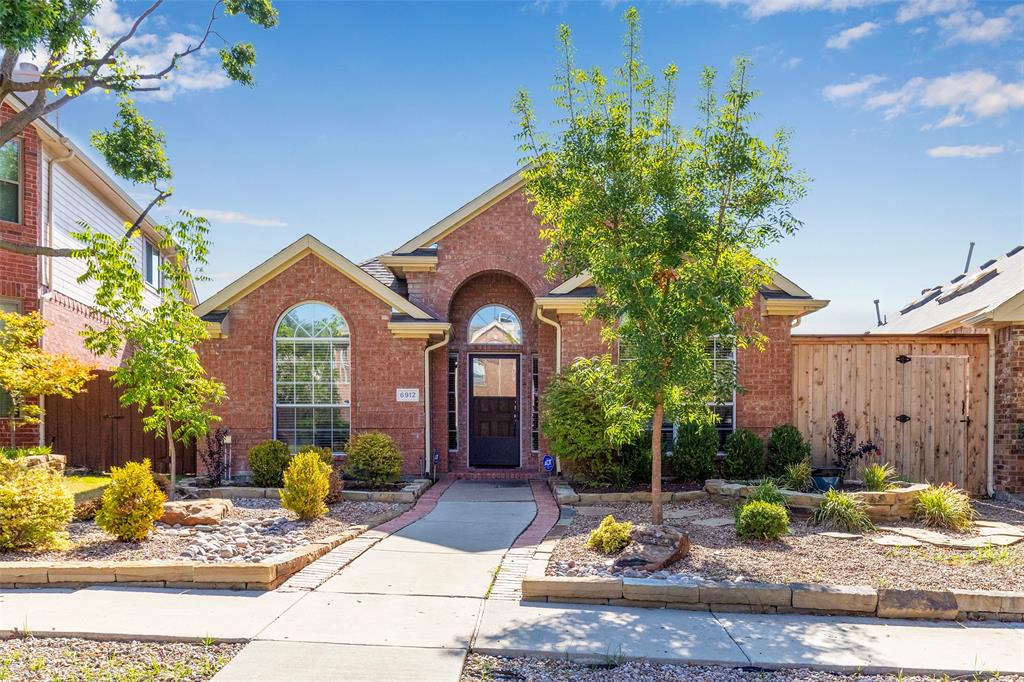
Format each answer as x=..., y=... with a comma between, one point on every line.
x=10, y=181
x=151, y=264
x=312, y=378
x=453, y=402
x=535, y=417
x=6, y=404
x=495, y=324
x=723, y=359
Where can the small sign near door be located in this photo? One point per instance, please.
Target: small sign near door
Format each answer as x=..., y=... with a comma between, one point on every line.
x=407, y=395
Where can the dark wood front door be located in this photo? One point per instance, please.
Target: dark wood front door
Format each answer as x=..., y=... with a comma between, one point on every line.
x=494, y=410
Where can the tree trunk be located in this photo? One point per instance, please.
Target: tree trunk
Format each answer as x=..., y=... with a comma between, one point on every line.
x=170, y=451
x=659, y=417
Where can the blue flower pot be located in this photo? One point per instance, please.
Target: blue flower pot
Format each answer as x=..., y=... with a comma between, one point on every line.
x=827, y=479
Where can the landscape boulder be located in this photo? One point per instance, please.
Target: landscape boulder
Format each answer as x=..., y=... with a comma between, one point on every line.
x=654, y=547
x=210, y=511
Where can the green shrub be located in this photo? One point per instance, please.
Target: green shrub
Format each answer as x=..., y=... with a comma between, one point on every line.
x=693, y=454
x=335, y=483
x=768, y=491
x=35, y=509
x=131, y=502
x=611, y=537
x=16, y=453
x=374, y=458
x=842, y=511
x=786, y=446
x=306, y=484
x=632, y=464
x=944, y=506
x=879, y=477
x=744, y=455
x=762, y=520
x=798, y=476
x=267, y=461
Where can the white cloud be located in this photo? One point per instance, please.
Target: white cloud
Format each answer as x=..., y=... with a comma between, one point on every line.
x=975, y=27
x=216, y=215
x=916, y=9
x=948, y=121
x=976, y=92
x=845, y=38
x=763, y=8
x=964, y=151
x=840, y=91
x=792, y=63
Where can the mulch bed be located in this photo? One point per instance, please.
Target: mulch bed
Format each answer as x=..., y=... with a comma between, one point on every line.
x=805, y=556
x=90, y=543
x=666, y=487
x=29, y=658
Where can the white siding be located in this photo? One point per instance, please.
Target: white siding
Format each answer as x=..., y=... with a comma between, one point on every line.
x=73, y=201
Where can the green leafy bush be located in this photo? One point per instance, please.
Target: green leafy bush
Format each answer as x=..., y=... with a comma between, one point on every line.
x=611, y=537
x=879, y=477
x=131, y=502
x=335, y=482
x=944, y=506
x=762, y=520
x=632, y=464
x=693, y=454
x=35, y=509
x=768, y=491
x=374, y=458
x=267, y=461
x=842, y=511
x=16, y=453
x=798, y=476
x=786, y=446
x=744, y=455
x=306, y=484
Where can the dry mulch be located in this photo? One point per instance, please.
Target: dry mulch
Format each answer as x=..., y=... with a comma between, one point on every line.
x=666, y=487
x=90, y=543
x=480, y=668
x=29, y=658
x=804, y=556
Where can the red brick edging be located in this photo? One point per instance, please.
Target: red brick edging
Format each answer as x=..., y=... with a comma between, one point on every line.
x=544, y=521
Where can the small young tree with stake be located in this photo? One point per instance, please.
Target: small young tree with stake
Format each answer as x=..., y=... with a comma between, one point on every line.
x=664, y=219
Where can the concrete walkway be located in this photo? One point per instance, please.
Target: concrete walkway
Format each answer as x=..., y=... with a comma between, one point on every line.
x=413, y=604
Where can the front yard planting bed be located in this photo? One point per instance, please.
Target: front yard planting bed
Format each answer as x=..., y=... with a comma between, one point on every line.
x=405, y=493
x=68, y=659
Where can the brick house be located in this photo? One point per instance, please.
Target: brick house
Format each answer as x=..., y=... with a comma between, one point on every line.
x=444, y=343
x=988, y=300
x=47, y=185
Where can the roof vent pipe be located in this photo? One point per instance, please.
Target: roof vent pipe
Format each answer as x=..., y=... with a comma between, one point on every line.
x=970, y=252
x=878, y=314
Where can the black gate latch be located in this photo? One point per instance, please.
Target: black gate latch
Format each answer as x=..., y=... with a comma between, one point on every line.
x=903, y=419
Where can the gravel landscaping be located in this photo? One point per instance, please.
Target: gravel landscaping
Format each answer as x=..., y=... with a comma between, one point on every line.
x=29, y=658
x=804, y=555
x=254, y=530
x=496, y=669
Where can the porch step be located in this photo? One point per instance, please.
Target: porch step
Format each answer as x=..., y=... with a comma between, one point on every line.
x=495, y=475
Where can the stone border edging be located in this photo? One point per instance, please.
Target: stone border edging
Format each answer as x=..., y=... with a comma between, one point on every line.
x=234, y=575
x=409, y=494
x=565, y=494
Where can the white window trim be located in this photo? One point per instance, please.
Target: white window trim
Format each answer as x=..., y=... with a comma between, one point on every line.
x=469, y=326
x=158, y=273
x=20, y=183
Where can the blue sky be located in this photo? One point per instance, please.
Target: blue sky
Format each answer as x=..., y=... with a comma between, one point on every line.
x=369, y=122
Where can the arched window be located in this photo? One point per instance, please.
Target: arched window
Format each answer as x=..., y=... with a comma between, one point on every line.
x=312, y=378
x=495, y=324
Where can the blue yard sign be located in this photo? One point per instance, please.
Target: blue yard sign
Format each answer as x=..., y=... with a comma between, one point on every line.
x=549, y=463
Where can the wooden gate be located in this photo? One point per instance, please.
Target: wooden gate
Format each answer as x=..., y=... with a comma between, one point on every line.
x=95, y=431
x=923, y=399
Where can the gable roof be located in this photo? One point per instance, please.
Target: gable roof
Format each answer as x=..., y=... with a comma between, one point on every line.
x=992, y=293
x=293, y=253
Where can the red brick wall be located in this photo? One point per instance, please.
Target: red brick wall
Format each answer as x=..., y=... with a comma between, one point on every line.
x=68, y=318
x=380, y=362
x=580, y=339
x=766, y=379
x=1008, y=451
x=19, y=274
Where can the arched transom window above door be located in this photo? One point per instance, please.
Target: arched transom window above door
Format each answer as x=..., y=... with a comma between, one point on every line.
x=312, y=377
x=495, y=324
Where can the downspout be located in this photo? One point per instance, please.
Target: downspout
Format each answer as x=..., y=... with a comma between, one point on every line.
x=426, y=400
x=558, y=360
x=991, y=459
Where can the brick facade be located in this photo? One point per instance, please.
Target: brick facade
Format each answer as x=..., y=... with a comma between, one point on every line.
x=1008, y=437
x=765, y=397
x=68, y=318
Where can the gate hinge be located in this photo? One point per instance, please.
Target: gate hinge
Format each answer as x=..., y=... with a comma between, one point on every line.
x=903, y=359
x=903, y=419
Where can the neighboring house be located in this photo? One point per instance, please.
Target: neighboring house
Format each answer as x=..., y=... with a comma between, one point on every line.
x=47, y=185
x=989, y=300
x=444, y=343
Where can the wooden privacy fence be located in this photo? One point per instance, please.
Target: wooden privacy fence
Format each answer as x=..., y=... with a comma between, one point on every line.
x=923, y=399
x=95, y=431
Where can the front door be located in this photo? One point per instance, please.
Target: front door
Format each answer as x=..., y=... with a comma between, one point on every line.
x=494, y=410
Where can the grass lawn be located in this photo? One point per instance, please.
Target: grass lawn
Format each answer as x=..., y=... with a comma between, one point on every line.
x=86, y=487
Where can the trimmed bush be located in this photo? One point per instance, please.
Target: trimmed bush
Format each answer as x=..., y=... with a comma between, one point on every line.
x=786, y=446
x=744, y=455
x=842, y=511
x=611, y=537
x=768, y=491
x=327, y=457
x=762, y=520
x=131, y=502
x=879, y=477
x=944, y=506
x=267, y=462
x=35, y=509
x=374, y=458
x=693, y=454
x=632, y=464
x=306, y=484
x=798, y=476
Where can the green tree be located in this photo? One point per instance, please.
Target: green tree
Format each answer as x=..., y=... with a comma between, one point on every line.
x=78, y=60
x=663, y=218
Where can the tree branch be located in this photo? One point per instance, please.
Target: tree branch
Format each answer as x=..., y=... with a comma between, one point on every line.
x=33, y=250
x=161, y=196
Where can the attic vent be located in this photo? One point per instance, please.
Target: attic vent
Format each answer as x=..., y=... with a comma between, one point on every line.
x=987, y=263
x=929, y=294
x=969, y=285
x=957, y=279
x=1015, y=250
